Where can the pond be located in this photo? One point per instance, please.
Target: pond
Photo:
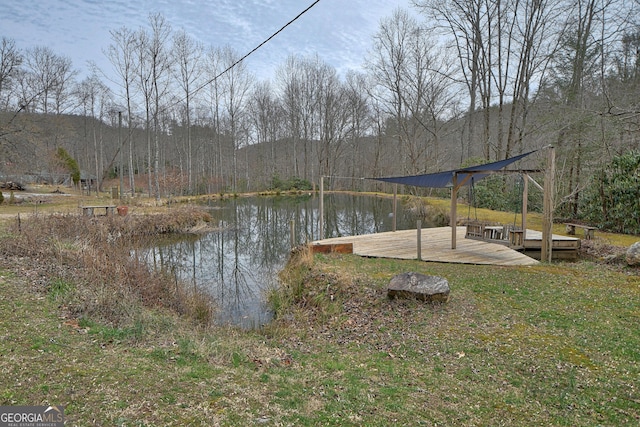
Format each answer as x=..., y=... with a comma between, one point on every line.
x=240, y=261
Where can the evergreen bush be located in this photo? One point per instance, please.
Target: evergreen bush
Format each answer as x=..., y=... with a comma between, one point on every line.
x=612, y=201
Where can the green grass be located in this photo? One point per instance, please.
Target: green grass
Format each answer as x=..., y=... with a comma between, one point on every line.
x=549, y=345
x=554, y=344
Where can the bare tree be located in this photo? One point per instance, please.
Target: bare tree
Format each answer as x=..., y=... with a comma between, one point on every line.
x=95, y=99
x=290, y=80
x=46, y=87
x=578, y=87
x=10, y=61
x=414, y=83
x=160, y=63
x=122, y=55
x=332, y=108
x=266, y=115
x=390, y=56
x=10, y=71
x=153, y=63
x=144, y=74
x=462, y=21
x=187, y=56
x=237, y=83
x=213, y=89
x=360, y=121
x=48, y=80
x=534, y=41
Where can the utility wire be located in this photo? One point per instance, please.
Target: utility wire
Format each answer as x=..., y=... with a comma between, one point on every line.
x=257, y=47
x=245, y=56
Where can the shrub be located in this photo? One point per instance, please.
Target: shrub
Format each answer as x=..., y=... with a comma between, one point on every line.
x=94, y=270
x=503, y=193
x=612, y=201
x=70, y=164
x=419, y=208
x=293, y=183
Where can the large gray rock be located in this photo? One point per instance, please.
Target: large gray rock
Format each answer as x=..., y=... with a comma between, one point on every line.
x=633, y=254
x=420, y=286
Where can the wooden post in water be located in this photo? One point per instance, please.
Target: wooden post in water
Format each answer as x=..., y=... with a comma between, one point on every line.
x=292, y=230
x=419, y=239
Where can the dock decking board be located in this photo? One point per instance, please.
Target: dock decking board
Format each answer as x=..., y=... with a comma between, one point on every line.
x=436, y=246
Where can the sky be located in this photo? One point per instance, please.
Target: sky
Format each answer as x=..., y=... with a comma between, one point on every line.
x=339, y=31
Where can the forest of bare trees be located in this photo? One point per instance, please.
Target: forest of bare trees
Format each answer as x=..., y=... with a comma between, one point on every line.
x=446, y=83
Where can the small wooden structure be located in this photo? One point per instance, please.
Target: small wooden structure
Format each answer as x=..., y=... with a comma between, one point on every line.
x=529, y=242
x=435, y=247
x=457, y=178
x=91, y=210
x=561, y=247
x=589, y=231
x=507, y=234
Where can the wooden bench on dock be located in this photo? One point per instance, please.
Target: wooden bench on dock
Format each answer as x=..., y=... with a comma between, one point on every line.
x=589, y=231
x=91, y=210
x=507, y=234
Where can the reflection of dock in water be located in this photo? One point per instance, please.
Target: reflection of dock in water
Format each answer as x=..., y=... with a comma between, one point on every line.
x=436, y=247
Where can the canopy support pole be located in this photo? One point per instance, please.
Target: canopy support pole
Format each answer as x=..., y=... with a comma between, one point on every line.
x=525, y=206
x=454, y=214
x=547, y=218
x=395, y=204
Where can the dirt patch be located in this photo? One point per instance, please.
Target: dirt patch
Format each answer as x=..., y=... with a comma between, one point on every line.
x=599, y=251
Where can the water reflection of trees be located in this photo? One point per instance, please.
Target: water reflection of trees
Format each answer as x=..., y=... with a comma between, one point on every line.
x=360, y=215
x=240, y=262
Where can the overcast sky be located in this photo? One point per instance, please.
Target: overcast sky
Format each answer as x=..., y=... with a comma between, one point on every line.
x=339, y=31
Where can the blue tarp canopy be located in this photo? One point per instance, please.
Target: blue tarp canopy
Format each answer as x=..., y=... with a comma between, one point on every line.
x=445, y=179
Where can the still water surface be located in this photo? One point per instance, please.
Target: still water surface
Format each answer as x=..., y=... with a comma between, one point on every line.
x=239, y=262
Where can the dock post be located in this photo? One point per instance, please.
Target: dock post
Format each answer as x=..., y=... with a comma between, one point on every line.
x=454, y=215
x=395, y=204
x=419, y=228
x=292, y=231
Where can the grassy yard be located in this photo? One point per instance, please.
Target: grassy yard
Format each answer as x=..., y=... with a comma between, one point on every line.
x=545, y=345
x=555, y=344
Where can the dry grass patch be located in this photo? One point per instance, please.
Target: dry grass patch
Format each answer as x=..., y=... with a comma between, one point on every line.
x=95, y=255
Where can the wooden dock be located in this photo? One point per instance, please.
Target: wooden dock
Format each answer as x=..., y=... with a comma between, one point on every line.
x=436, y=246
